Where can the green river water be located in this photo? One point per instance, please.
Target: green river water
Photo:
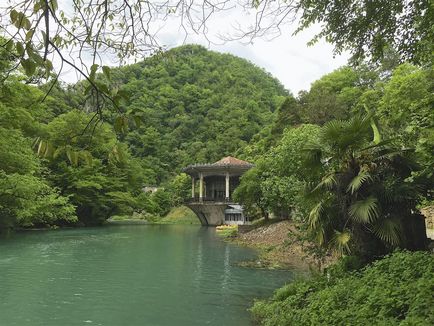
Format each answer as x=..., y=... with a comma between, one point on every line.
x=128, y=275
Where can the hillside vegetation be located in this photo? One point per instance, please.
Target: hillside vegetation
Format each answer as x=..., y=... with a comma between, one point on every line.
x=196, y=106
x=61, y=166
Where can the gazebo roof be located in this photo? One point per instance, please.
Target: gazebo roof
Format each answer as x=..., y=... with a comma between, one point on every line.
x=226, y=164
x=229, y=160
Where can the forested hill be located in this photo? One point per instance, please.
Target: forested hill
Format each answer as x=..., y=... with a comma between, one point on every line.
x=60, y=167
x=198, y=106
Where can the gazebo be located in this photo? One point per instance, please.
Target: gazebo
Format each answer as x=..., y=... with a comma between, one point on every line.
x=213, y=202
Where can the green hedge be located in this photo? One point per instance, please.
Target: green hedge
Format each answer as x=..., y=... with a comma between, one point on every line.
x=396, y=290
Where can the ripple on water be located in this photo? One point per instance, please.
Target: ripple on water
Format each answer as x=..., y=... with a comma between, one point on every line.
x=135, y=275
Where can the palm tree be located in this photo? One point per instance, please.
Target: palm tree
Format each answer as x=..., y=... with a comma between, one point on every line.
x=364, y=203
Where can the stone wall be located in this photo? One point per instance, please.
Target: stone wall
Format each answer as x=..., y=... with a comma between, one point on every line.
x=428, y=212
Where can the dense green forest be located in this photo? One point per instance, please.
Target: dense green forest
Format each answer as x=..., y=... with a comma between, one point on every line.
x=374, y=130
x=196, y=106
x=350, y=161
x=61, y=166
x=373, y=125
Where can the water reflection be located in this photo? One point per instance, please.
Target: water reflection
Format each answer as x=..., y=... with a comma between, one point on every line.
x=128, y=275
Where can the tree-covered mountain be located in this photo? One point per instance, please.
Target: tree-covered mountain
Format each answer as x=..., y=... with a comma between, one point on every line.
x=61, y=166
x=196, y=106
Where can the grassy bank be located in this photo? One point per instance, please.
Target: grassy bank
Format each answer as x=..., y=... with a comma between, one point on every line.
x=177, y=215
x=396, y=290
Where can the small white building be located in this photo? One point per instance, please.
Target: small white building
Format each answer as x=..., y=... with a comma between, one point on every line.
x=234, y=215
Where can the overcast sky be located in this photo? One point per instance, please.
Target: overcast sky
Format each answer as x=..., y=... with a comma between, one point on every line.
x=286, y=57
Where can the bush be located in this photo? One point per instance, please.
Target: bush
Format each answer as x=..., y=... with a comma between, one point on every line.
x=396, y=290
x=227, y=231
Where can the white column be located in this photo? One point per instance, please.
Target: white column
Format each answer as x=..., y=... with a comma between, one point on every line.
x=192, y=187
x=227, y=185
x=200, y=186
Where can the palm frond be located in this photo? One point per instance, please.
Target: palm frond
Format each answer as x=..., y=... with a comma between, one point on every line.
x=344, y=135
x=362, y=177
x=319, y=236
x=327, y=182
x=381, y=144
x=388, y=230
x=374, y=126
x=315, y=214
x=340, y=241
x=361, y=123
x=332, y=131
x=365, y=210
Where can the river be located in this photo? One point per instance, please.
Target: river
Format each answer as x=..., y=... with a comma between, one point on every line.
x=128, y=275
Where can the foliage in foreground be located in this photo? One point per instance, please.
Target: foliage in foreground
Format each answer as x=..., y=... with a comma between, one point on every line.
x=363, y=195
x=396, y=290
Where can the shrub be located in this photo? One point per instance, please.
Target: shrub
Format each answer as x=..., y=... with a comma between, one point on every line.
x=396, y=290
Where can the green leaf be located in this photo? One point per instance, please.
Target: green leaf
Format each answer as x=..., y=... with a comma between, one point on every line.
x=93, y=70
x=48, y=67
x=389, y=230
x=87, y=157
x=341, y=240
x=376, y=131
x=121, y=124
x=137, y=120
x=29, y=35
x=315, y=214
x=37, y=7
x=72, y=156
x=364, y=211
x=9, y=45
x=124, y=94
x=106, y=71
x=26, y=23
x=102, y=87
x=327, y=182
x=20, y=48
x=14, y=15
x=359, y=180
x=41, y=148
x=53, y=5
x=29, y=66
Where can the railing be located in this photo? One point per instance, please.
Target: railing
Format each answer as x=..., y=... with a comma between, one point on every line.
x=208, y=199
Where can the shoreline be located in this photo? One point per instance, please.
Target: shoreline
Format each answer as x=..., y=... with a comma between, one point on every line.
x=276, y=249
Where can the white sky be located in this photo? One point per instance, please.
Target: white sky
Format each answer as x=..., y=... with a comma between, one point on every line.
x=287, y=57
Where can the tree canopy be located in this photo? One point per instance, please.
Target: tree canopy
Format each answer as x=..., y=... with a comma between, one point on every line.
x=351, y=157
x=191, y=105
x=39, y=32
x=195, y=106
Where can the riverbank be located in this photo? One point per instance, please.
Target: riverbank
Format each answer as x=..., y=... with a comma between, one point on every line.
x=177, y=215
x=395, y=290
x=278, y=247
